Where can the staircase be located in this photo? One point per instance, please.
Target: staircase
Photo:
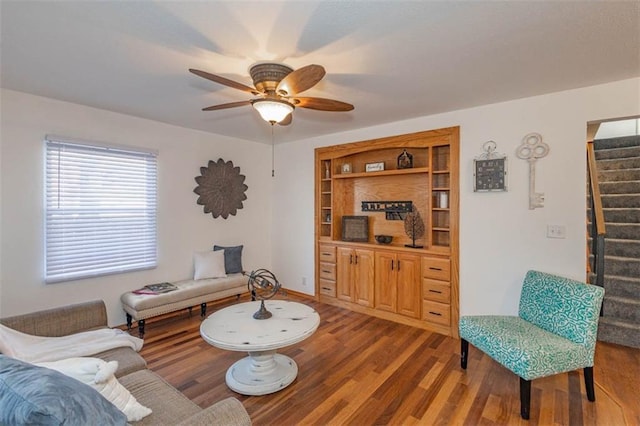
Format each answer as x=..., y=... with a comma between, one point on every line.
x=618, y=162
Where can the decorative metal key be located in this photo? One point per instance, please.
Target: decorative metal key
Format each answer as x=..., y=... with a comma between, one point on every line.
x=531, y=149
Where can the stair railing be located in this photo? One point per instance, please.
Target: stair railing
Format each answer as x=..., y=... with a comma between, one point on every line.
x=597, y=231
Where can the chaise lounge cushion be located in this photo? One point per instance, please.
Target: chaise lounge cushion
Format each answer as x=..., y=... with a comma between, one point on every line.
x=232, y=258
x=208, y=264
x=37, y=395
x=527, y=350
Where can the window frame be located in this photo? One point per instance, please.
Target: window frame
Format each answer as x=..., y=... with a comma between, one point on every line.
x=120, y=212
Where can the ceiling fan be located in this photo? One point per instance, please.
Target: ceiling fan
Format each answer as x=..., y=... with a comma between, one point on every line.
x=276, y=87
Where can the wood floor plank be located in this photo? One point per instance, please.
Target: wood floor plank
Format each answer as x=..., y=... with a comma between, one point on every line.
x=360, y=370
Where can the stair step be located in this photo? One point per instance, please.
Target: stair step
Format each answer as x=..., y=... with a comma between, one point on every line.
x=619, y=163
x=622, y=308
x=615, y=286
x=620, y=200
x=622, y=266
x=621, y=215
x=618, y=175
x=622, y=231
x=622, y=142
x=620, y=332
x=622, y=248
x=621, y=187
x=625, y=152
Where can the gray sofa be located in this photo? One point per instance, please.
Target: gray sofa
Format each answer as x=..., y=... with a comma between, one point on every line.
x=169, y=406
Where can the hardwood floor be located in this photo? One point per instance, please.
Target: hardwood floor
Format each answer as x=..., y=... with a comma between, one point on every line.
x=360, y=370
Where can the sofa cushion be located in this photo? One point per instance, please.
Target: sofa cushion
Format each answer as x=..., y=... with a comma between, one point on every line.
x=232, y=258
x=169, y=406
x=128, y=360
x=37, y=395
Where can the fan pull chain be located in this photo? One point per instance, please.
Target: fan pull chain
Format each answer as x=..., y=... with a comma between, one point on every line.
x=273, y=173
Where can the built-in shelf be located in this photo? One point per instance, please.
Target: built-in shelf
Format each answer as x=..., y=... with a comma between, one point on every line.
x=383, y=173
x=352, y=270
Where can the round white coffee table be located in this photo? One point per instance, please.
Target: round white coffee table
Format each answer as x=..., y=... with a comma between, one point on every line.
x=263, y=371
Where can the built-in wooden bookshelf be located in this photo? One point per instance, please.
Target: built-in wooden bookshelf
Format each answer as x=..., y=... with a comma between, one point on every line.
x=416, y=286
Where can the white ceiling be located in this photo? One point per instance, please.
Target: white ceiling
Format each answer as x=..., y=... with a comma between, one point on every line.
x=393, y=60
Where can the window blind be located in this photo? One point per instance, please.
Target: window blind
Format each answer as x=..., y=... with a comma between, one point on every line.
x=100, y=210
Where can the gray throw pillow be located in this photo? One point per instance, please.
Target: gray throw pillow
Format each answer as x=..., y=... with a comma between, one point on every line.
x=232, y=258
x=37, y=395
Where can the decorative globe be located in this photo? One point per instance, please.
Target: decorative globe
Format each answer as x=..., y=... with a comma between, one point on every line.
x=263, y=285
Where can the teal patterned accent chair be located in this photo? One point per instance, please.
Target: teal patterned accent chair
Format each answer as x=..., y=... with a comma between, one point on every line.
x=555, y=332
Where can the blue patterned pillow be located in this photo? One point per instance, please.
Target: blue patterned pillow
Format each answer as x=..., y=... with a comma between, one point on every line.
x=232, y=258
x=37, y=395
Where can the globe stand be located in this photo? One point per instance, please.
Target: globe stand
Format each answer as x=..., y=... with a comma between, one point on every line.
x=262, y=284
x=262, y=313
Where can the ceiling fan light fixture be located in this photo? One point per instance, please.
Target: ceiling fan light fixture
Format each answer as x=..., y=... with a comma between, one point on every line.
x=272, y=110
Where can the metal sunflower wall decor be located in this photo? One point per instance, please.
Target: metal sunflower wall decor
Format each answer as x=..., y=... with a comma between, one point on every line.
x=221, y=188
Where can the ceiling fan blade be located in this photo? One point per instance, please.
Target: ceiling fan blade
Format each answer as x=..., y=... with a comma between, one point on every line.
x=224, y=81
x=322, y=104
x=287, y=120
x=225, y=106
x=300, y=80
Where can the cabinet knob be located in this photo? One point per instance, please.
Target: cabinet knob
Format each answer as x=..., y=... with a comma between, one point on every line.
x=392, y=265
x=435, y=291
x=433, y=268
x=435, y=313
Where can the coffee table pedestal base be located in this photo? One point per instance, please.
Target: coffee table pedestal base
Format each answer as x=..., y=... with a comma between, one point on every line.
x=261, y=373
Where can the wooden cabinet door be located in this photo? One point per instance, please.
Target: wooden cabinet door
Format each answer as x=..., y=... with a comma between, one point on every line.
x=385, y=281
x=363, y=280
x=409, y=299
x=344, y=275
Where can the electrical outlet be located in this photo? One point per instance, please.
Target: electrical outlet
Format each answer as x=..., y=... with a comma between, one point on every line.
x=304, y=281
x=556, y=231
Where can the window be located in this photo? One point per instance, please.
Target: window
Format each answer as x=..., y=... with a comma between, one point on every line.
x=100, y=210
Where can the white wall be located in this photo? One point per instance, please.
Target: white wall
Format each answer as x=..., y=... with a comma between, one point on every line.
x=500, y=238
x=182, y=225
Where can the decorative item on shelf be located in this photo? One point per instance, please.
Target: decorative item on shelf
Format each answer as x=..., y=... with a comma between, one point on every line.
x=383, y=239
x=414, y=227
x=221, y=188
x=374, y=167
x=490, y=170
x=355, y=228
x=346, y=168
x=443, y=200
x=531, y=149
x=327, y=170
x=405, y=160
x=327, y=218
x=394, y=210
x=263, y=285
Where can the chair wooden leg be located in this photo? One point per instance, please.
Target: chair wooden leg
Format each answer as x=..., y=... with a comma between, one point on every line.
x=464, y=353
x=525, y=398
x=588, y=383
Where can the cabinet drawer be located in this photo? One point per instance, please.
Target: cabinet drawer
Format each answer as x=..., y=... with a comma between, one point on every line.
x=327, y=254
x=437, y=291
x=438, y=269
x=328, y=288
x=328, y=271
x=435, y=312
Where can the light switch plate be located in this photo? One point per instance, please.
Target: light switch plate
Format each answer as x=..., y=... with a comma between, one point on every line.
x=556, y=231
